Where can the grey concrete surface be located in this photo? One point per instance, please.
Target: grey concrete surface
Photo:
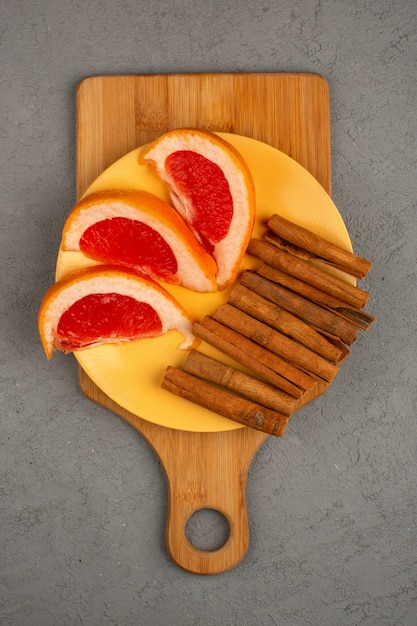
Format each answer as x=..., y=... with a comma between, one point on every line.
x=332, y=506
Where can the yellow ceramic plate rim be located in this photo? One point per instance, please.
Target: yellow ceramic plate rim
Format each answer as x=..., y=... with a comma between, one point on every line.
x=131, y=373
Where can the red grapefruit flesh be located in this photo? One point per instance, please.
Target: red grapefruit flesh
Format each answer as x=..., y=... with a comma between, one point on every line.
x=132, y=242
x=212, y=188
x=138, y=230
x=108, y=304
x=97, y=317
x=203, y=184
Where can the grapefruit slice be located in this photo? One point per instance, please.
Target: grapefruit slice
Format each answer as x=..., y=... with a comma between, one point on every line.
x=139, y=230
x=106, y=304
x=212, y=189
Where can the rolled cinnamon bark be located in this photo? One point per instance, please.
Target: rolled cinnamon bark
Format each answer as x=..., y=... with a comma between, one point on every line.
x=362, y=319
x=319, y=247
x=299, y=286
x=224, y=402
x=275, y=316
x=320, y=318
x=269, y=366
x=308, y=273
x=210, y=369
x=276, y=342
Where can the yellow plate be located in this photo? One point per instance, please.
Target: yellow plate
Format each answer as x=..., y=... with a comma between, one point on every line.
x=131, y=373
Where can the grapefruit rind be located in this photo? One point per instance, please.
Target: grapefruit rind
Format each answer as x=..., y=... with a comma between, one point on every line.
x=196, y=268
x=99, y=280
x=229, y=251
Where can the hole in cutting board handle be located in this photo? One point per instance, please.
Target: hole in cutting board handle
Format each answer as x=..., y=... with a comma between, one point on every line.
x=207, y=530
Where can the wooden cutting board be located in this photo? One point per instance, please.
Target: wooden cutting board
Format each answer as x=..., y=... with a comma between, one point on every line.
x=116, y=114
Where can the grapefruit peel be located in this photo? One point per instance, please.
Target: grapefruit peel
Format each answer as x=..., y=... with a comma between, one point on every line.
x=193, y=267
x=197, y=268
x=110, y=280
x=228, y=252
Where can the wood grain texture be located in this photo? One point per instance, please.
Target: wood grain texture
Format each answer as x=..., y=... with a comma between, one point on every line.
x=115, y=114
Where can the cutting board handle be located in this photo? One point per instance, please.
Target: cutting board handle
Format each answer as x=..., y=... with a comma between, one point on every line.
x=182, y=506
x=203, y=471
x=208, y=471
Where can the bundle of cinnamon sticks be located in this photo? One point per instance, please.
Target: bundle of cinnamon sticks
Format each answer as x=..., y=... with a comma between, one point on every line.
x=287, y=326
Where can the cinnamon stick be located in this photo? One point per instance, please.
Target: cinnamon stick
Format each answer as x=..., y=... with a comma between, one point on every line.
x=280, y=319
x=308, y=273
x=276, y=342
x=344, y=350
x=269, y=366
x=224, y=402
x=208, y=368
x=299, y=286
x=319, y=247
x=280, y=243
x=328, y=321
x=362, y=319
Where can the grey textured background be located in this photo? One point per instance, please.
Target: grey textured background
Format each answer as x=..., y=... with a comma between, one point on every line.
x=83, y=498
